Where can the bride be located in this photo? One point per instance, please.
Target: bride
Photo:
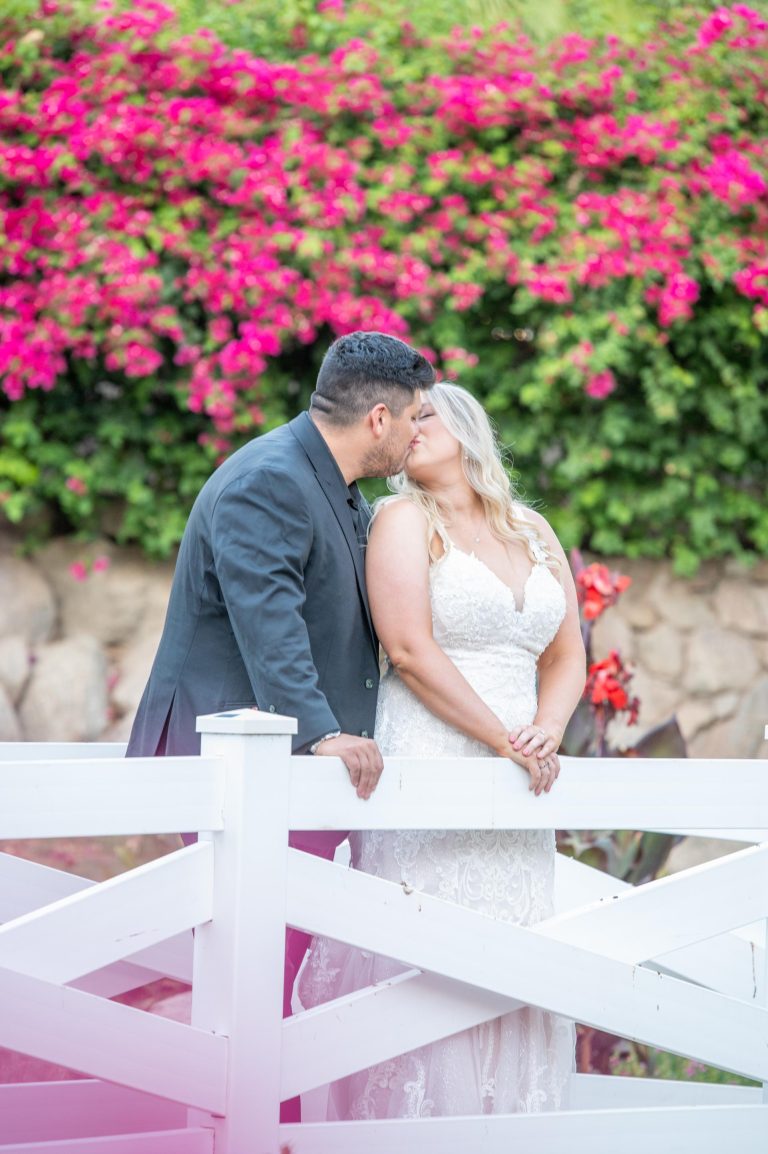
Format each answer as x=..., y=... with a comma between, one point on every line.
x=476, y=610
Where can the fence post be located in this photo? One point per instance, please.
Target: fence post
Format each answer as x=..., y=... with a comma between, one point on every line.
x=238, y=956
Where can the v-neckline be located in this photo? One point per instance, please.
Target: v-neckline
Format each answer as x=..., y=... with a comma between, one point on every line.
x=499, y=580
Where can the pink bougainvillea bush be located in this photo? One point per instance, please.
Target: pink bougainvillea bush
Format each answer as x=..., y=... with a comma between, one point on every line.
x=579, y=233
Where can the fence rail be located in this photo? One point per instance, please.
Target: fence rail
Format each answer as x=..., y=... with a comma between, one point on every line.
x=679, y=963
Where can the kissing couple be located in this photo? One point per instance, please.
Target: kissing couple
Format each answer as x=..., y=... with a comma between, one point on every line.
x=285, y=593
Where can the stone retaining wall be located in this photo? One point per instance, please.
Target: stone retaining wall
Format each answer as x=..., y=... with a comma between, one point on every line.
x=79, y=626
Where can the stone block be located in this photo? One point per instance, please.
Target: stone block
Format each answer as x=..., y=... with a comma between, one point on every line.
x=680, y=603
x=742, y=734
x=743, y=606
x=10, y=729
x=27, y=604
x=15, y=665
x=634, y=604
x=720, y=661
x=611, y=631
x=698, y=713
x=134, y=665
x=660, y=650
x=66, y=698
x=111, y=603
x=658, y=702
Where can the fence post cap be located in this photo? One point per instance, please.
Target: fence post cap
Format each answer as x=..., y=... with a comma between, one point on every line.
x=246, y=721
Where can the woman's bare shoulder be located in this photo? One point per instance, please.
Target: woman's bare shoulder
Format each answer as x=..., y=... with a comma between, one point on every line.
x=398, y=512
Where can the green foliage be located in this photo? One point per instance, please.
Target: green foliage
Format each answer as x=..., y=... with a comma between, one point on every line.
x=668, y=459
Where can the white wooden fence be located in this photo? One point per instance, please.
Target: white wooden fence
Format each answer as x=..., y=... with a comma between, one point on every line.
x=677, y=963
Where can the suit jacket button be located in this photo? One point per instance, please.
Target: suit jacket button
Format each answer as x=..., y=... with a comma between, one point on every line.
x=369, y=683
x=364, y=733
x=271, y=709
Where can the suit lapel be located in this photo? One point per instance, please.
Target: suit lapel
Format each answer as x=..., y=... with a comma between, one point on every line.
x=337, y=494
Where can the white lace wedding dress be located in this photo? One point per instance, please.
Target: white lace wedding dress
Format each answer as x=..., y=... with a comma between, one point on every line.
x=520, y=1062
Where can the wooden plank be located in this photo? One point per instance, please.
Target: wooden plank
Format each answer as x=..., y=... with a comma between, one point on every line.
x=59, y=750
x=195, y=1140
x=707, y=1129
x=99, y=797
x=613, y=1092
x=28, y=885
x=447, y=939
x=390, y=1018
x=491, y=793
x=730, y=963
x=239, y=957
x=81, y=1108
x=111, y=920
x=416, y=1009
x=661, y=916
x=112, y=1041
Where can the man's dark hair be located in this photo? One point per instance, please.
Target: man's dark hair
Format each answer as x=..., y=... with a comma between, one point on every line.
x=361, y=370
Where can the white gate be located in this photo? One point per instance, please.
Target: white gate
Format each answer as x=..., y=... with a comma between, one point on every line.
x=677, y=963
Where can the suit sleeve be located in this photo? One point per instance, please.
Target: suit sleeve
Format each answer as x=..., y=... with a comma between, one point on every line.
x=262, y=535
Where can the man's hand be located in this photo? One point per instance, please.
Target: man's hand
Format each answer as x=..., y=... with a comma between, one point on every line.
x=360, y=755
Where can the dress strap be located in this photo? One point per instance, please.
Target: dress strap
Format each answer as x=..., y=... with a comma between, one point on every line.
x=538, y=548
x=443, y=535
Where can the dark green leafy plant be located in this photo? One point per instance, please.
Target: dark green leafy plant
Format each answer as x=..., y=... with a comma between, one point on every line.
x=578, y=230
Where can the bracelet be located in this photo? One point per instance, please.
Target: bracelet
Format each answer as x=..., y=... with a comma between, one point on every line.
x=325, y=737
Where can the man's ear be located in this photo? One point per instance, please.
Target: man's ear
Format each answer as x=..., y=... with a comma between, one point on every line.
x=379, y=418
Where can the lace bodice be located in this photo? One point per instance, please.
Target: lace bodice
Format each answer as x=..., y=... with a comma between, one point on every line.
x=494, y=643
x=521, y=1061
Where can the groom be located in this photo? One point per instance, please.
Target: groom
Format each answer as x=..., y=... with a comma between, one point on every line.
x=268, y=606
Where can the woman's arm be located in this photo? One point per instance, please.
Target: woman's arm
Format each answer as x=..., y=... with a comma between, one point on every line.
x=397, y=576
x=562, y=665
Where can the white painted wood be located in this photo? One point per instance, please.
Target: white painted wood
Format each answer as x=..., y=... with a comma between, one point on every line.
x=730, y=963
x=112, y=920
x=59, y=750
x=425, y=932
x=638, y=923
x=85, y=798
x=26, y=886
x=385, y=1020
x=239, y=957
x=190, y=1141
x=81, y=1108
x=745, y=835
x=707, y=1129
x=612, y=1092
x=112, y=1041
x=492, y=793
x=230, y=1063
x=764, y=1000
x=415, y=1009
x=247, y=722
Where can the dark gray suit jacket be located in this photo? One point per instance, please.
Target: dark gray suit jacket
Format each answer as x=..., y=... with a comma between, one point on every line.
x=268, y=605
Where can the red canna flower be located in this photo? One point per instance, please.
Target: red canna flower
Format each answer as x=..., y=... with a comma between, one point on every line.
x=607, y=688
x=598, y=587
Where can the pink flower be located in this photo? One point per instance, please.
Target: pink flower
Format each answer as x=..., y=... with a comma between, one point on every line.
x=101, y=564
x=78, y=571
x=600, y=385
x=714, y=27
x=76, y=485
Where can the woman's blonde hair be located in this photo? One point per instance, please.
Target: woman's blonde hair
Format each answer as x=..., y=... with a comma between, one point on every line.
x=466, y=420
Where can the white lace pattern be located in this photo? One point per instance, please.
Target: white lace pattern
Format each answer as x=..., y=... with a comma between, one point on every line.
x=519, y=1062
